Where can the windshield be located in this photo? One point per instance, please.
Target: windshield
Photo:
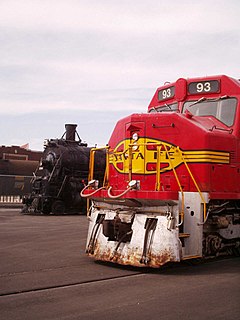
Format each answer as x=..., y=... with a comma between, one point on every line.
x=164, y=108
x=222, y=109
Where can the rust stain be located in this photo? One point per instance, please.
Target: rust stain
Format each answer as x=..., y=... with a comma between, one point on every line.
x=133, y=257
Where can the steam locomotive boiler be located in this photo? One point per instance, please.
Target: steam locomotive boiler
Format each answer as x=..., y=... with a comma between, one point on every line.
x=172, y=184
x=64, y=166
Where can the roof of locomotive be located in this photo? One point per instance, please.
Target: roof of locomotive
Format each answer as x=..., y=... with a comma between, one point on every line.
x=182, y=89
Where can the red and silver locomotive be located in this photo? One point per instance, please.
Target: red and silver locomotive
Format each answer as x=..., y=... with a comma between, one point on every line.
x=172, y=182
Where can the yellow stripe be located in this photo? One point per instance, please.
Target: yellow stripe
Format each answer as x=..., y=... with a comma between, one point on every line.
x=201, y=156
x=207, y=160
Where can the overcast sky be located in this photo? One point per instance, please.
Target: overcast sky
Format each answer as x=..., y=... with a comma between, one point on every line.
x=92, y=62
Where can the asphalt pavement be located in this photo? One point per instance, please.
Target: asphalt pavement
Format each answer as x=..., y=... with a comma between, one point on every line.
x=45, y=274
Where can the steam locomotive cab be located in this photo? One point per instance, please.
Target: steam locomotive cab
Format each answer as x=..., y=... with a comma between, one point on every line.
x=171, y=189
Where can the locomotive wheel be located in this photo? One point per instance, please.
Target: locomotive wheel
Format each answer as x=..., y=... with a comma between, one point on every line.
x=45, y=207
x=35, y=205
x=58, y=207
x=236, y=249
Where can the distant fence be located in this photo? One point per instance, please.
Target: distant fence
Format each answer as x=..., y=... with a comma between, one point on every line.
x=13, y=188
x=10, y=199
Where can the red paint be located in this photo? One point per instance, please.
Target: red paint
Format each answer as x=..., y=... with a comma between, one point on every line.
x=191, y=134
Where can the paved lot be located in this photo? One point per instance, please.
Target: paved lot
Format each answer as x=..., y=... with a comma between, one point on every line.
x=45, y=274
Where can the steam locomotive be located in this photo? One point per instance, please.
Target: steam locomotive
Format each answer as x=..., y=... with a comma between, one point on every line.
x=64, y=166
x=172, y=183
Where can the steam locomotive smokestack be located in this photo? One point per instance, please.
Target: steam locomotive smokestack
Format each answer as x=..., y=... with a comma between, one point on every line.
x=70, y=131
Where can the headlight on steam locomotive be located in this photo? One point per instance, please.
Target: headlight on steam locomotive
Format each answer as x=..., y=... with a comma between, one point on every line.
x=51, y=157
x=49, y=161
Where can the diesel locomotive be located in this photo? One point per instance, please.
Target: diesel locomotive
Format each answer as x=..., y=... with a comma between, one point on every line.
x=171, y=190
x=64, y=166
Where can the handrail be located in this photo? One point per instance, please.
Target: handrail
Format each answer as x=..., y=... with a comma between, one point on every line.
x=119, y=195
x=158, y=168
x=106, y=174
x=91, y=164
x=62, y=186
x=89, y=194
x=158, y=172
x=179, y=185
x=54, y=168
x=130, y=163
x=133, y=184
x=198, y=189
x=91, y=172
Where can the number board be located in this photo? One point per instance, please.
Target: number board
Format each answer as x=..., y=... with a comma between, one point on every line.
x=210, y=86
x=167, y=93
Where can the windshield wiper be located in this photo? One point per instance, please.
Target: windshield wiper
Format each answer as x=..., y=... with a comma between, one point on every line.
x=198, y=101
x=205, y=99
x=220, y=98
x=159, y=108
x=164, y=108
x=153, y=108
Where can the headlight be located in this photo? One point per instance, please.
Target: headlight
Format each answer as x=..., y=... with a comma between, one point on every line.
x=135, y=136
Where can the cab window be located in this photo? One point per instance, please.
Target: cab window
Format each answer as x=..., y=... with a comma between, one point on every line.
x=165, y=108
x=223, y=109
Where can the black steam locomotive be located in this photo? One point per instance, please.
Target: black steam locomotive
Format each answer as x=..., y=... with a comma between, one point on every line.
x=65, y=167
